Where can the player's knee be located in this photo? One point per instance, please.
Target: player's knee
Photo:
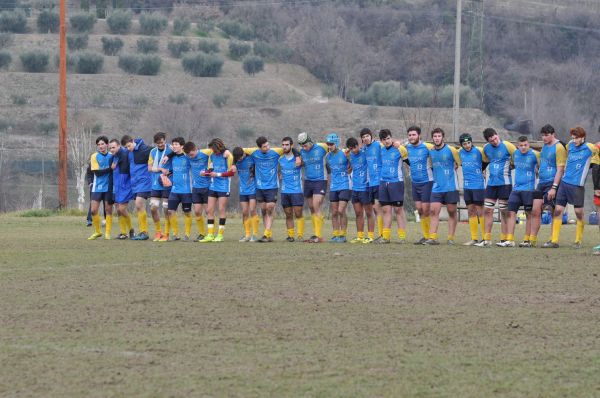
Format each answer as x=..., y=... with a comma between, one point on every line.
x=502, y=205
x=165, y=204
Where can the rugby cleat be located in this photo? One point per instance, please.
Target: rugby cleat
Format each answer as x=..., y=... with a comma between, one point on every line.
x=253, y=239
x=401, y=241
x=314, y=239
x=290, y=239
x=550, y=245
x=525, y=243
x=367, y=240
x=506, y=243
x=421, y=241
x=157, y=236
x=95, y=236
x=165, y=238
x=186, y=239
x=342, y=239
x=577, y=245
x=431, y=242
x=219, y=238
x=207, y=239
x=244, y=239
x=131, y=234
x=264, y=239
x=174, y=238
x=122, y=237
x=450, y=242
x=484, y=243
x=357, y=240
x=199, y=238
x=471, y=243
x=381, y=241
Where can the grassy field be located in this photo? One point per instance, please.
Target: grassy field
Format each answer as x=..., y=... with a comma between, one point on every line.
x=112, y=318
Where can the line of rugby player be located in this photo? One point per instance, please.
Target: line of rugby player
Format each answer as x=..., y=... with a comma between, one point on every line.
x=368, y=173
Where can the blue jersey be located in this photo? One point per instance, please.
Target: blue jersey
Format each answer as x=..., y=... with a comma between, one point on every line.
x=499, y=168
x=551, y=157
x=443, y=162
x=220, y=164
x=420, y=162
x=337, y=164
x=472, y=167
x=155, y=162
x=313, y=161
x=199, y=163
x=359, y=176
x=391, y=163
x=525, y=167
x=373, y=153
x=99, y=161
x=579, y=159
x=265, y=164
x=245, y=170
x=291, y=175
x=182, y=180
x=141, y=180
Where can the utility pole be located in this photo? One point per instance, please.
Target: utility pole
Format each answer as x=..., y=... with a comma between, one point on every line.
x=62, y=111
x=457, y=44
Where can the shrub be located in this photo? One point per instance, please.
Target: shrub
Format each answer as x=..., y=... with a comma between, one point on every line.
x=238, y=50
x=6, y=39
x=5, y=59
x=38, y=213
x=111, y=46
x=204, y=26
x=220, y=100
x=152, y=24
x=263, y=49
x=180, y=26
x=208, y=46
x=19, y=100
x=71, y=61
x=202, y=64
x=140, y=64
x=34, y=61
x=147, y=45
x=237, y=29
x=48, y=22
x=178, y=99
x=253, y=64
x=176, y=48
x=468, y=98
x=77, y=42
x=388, y=93
x=89, y=63
x=82, y=22
x=13, y=21
x=119, y=22
x=419, y=94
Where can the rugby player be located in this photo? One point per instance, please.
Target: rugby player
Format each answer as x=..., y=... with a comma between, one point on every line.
x=499, y=184
x=181, y=191
x=245, y=168
x=361, y=198
x=444, y=162
x=373, y=151
x=339, y=187
x=121, y=183
x=526, y=162
x=100, y=162
x=580, y=155
x=159, y=196
x=292, y=199
x=141, y=180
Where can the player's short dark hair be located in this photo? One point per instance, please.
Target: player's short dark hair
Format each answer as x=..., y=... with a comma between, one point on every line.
x=115, y=141
x=126, y=139
x=260, y=141
x=578, y=132
x=366, y=131
x=189, y=147
x=179, y=140
x=414, y=128
x=384, y=133
x=489, y=133
x=351, y=142
x=288, y=139
x=238, y=154
x=438, y=130
x=102, y=138
x=159, y=136
x=523, y=139
x=547, y=129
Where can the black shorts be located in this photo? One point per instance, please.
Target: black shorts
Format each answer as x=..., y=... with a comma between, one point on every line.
x=340, y=196
x=247, y=198
x=161, y=194
x=266, y=195
x=474, y=196
x=184, y=198
x=573, y=194
x=362, y=197
x=391, y=193
x=143, y=195
x=314, y=188
x=217, y=194
x=106, y=197
x=520, y=198
x=199, y=196
x=498, y=192
x=292, y=200
x=445, y=198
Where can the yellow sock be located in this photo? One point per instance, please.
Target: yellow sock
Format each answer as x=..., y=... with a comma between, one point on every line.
x=157, y=226
x=578, y=231
x=336, y=233
x=319, y=230
x=527, y=238
x=300, y=226
x=200, y=225
x=343, y=232
x=386, y=233
x=247, y=227
x=174, y=224
x=533, y=239
x=482, y=225
x=487, y=236
x=268, y=233
x=360, y=235
x=122, y=225
x=96, y=223
x=143, y=221
x=556, y=224
x=211, y=228
x=167, y=226
x=108, y=225
x=433, y=236
x=255, y=225
x=290, y=232
x=380, y=225
x=510, y=237
x=371, y=235
x=129, y=224
x=502, y=236
x=450, y=237
x=221, y=229
x=474, y=227
x=425, y=227
x=401, y=233
x=187, y=223
x=313, y=219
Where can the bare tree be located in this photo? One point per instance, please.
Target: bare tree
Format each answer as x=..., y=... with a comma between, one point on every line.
x=81, y=145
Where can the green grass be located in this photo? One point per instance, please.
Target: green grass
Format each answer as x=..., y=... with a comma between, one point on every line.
x=123, y=318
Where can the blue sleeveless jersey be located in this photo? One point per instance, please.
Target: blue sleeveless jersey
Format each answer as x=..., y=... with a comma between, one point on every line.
x=525, y=166
x=291, y=176
x=338, y=165
x=444, y=175
x=420, y=163
x=359, y=176
x=472, y=164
